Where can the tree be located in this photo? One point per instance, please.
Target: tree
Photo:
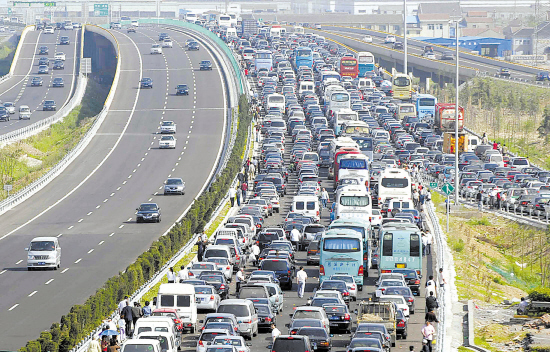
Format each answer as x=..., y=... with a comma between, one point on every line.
x=544, y=128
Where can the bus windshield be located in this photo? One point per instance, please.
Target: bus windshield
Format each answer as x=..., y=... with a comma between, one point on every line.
x=348, y=62
x=401, y=81
x=426, y=102
x=263, y=56
x=395, y=182
x=366, y=59
x=303, y=52
x=354, y=201
x=341, y=245
x=346, y=117
x=357, y=164
x=340, y=97
x=406, y=109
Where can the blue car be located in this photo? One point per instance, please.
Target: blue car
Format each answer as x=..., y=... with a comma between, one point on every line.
x=283, y=269
x=182, y=89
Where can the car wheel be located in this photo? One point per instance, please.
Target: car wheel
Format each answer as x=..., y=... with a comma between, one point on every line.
x=138, y=220
x=29, y=268
x=412, y=311
x=404, y=336
x=55, y=267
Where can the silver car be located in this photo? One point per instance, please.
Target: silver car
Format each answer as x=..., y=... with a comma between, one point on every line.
x=197, y=268
x=206, y=297
x=174, y=186
x=223, y=265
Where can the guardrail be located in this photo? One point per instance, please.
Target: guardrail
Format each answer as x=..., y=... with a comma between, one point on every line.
x=17, y=52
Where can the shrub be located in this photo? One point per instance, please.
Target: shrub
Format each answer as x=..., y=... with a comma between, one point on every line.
x=458, y=246
x=541, y=294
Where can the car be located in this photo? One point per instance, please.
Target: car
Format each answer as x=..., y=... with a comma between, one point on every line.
x=398, y=46
x=205, y=65
x=49, y=105
x=361, y=344
x=148, y=212
x=4, y=114
x=43, y=69
x=237, y=342
x=59, y=56
x=156, y=49
x=167, y=142
x=131, y=29
x=146, y=82
x=412, y=278
x=64, y=40
x=43, y=50
x=24, y=112
x=339, y=316
x=193, y=46
x=169, y=312
x=401, y=324
x=48, y=30
x=115, y=25
x=399, y=301
x=207, y=336
x=168, y=127
x=543, y=76
x=337, y=285
x=37, y=81
x=320, y=339
x=504, y=72
x=447, y=56
x=10, y=107
x=182, y=89
x=430, y=55
x=206, y=297
x=390, y=39
x=367, y=39
x=163, y=36
x=406, y=293
x=43, y=252
x=44, y=61
x=167, y=43
x=174, y=186
x=266, y=317
x=58, y=65
x=58, y=82
x=350, y=283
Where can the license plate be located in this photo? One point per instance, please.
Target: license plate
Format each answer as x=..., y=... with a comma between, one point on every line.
x=41, y=263
x=401, y=266
x=334, y=317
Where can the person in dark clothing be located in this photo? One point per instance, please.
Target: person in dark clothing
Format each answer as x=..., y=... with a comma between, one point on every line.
x=431, y=317
x=244, y=188
x=136, y=312
x=479, y=198
x=431, y=302
x=200, y=251
x=425, y=347
x=128, y=317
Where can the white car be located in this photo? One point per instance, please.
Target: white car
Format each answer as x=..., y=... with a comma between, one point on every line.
x=430, y=55
x=367, y=39
x=24, y=112
x=206, y=297
x=168, y=127
x=399, y=301
x=235, y=341
x=156, y=49
x=167, y=43
x=10, y=107
x=223, y=265
x=376, y=218
x=59, y=56
x=167, y=142
x=390, y=39
x=48, y=30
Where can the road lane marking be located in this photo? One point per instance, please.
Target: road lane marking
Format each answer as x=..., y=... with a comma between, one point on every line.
x=13, y=307
x=32, y=293
x=97, y=207
x=78, y=261
x=112, y=234
x=90, y=213
x=49, y=282
x=59, y=235
x=19, y=262
x=3, y=271
x=121, y=226
x=100, y=243
x=90, y=251
x=129, y=219
x=70, y=227
x=80, y=220
x=64, y=270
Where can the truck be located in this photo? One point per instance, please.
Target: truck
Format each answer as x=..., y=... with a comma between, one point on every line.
x=445, y=117
x=378, y=312
x=449, y=142
x=249, y=27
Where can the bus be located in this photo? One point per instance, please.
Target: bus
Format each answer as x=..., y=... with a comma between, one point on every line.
x=366, y=146
x=341, y=252
x=425, y=105
x=363, y=226
x=330, y=74
x=299, y=30
x=365, y=61
x=340, y=100
x=277, y=31
x=445, y=117
x=348, y=67
x=224, y=21
x=275, y=100
x=353, y=202
x=400, y=248
x=402, y=86
x=405, y=109
x=355, y=166
x=395, y=184
x=303, y=57
x=263, y=60
x=341, y=116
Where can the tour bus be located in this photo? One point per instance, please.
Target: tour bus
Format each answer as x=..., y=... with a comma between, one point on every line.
x=400, y=248
x=353, y=202
x=354, y=128
x=348, y=67
x=363, y=226
x=225, y=20
x=341, y=116
x=338, y=155
x=277, y=31
x=191, y=17
x=394, y=184
x=330, y=74
x=356, y=165
x=405, y=109
x=402, y=86
x=341, y=252
x=365, y=61
x=339, y=100
x=303, y=56
x=275, y=100
x=299, y=30
x=339, y=143
x=263, y=59
x=365, y=144
x=425, y=105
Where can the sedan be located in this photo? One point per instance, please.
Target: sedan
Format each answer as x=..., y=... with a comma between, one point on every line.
x=405, y=292
x=10, y=107
x=182, y=89
x=148, y=212
x=399, y=301
x=320, y=339
x=49, y=105
x=367, y=39
x=36, y=81
x=58, y=82
x=43, y=69
x=447, y=56
x=167, y=142
x=206, y=297
x=167, y=43
x=205, y=65
x=338, y=316
x=359, y=344
x=59, y=56
x=219, y=283
x=43, y=50
x=131, y=29
x=156, y=49
x=168, y=127
x=64, y=40
x=146, y=82
x=402, y=324
x=43, y=61
x=266, y=317
x=174, y=186
x=58, y=65
x=237, y=342
x=193, y=46
x=48, y=30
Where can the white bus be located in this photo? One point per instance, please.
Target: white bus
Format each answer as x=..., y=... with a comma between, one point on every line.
x=354, y=166
x=224, y=20
x=353, y=202
x=299, y=30
x=395, y=184
x=342, y=115
x=276, y=101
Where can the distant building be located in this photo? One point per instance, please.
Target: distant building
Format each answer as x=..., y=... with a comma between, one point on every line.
x=522, y=40
x=450, y=8
x=433, y=25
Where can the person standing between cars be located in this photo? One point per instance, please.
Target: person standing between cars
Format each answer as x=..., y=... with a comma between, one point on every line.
x=122, y=304
x=431, y=317
x=200, y=250
x=484, y=139
x=416, y=198
x=431, y=301
x=324, y=198
x=146, y=311
x=136, y=312
x=240, y=278
x=479, y=198
x=171, y=275
x=429, y=240
x=274, y=332
x=127, y=315
x=121, y=329
x=295, y=237
x=428, y=332
x=424, y=243
x=232, y=194
x=430, y=286
x=425, y=347
x=301, y=278
x=256, y=251
x=94, y=346
x=238, y=197
x=182, y=274
x=423, y=221
x=244, y=188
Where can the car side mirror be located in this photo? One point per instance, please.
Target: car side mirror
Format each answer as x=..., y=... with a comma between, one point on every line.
x=201, y=321
x=356, y=312
x=27, y=249
x=420, y=276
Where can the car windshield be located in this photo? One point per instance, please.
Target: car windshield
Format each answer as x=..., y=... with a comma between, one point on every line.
x=164, y=314
x=263, y=309
x=173, y=181
x=148, y=207
x=274, y=265
x=402, y=291
x=235, y=309
x=167, y=138
x=307, y=314
x=364, y=343
x=163, y=340
x=42, y=246
x=168, y=123
x=217, y=325
x=252, y=292
x=138, y=348
x=222, y=341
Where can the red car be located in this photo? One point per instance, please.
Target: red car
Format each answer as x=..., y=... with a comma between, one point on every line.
x=169, y=312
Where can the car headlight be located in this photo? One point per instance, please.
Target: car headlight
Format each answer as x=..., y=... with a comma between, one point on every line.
x=30, y=257
x=156, y=214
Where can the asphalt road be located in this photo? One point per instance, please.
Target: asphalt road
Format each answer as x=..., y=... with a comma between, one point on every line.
x=18, y=88
x=90, y=206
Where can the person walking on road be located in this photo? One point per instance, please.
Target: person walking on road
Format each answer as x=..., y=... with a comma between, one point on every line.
x=428, y=332
x=431, y=317
x=431, y=302
x=182, y=274
x=484, y=139
x=128, y=318
x=425, y=347
x=232, y=194
x=431, y=286
x=256, y=251
x=122, y=304
x=295, y=237
x=301, y=278
x=171, y=275
x=479, y=198
x=244, y=188
x=416, y=198
x=424, y=243
x=274, y=332
x=429, y=240
x=324, y=198
x=146, y=311
x=423, y=221
x=240, y=278
x=94, y=346
x=200, y=250
x=441, y=278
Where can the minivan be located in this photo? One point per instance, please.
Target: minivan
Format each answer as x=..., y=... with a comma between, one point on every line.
x=43, y=252
x=295, y=343
x=306, y=205
x=246, y=315
x=141, y=345
x=219, y=251
x=182, y=298
x=157, y=324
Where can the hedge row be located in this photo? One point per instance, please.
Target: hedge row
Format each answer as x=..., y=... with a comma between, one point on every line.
x=540, y=294
x=83, y=319
x=540, y=348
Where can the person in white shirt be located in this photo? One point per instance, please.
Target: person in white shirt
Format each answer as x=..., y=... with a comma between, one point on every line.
x=429, y=239
x=441, y=278
x=232, y=195
x=301, y=278
x=255, y=250
x=274, y=332
x=183, y=274
x=431, y=286
x=295, y=237
x=122, y=304
x=428, y=332
x=240, y=278
x=204, y=238
x=424, y=243
x=324, y=198
x=522, y=306
x=171, y=275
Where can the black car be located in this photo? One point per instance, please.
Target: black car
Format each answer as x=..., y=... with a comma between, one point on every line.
x=320, y=340
x=49, y=105
x=182, y=89
x=297, y=343
x=265, y=316
x=401, y=324
x=131, y=29
x=146, y=83
x=39, y=26
x=58, y=82
x=4, y=114
x=148, y=212
x=64, y=40
x=219, y=283
x=373, y=335
x=447, y=56
x=43, y=50
x=398, y=46
x=43, y=61
x=282, y=268
x=193, y=46
x=58, y=25
x=377, y=80
x=265, y=238
x=337, y=285
x=412, y=278
x=163, y=36
x=205, y=65
x=37, y=81
x=339, y=317
x=58, y=65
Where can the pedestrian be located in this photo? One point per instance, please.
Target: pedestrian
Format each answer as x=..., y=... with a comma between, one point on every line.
x=295, y=237
x=171, y=275
x=200, y=250
x=504, y=150
x=441, y=278
x=122, y=304
x=495, y=146
x=238, y=197
x=127, y=316
x=244, y=189
x=301, y=278
x=422, y=196
x=324, y=198
x=424, y=243
x=411, y=348
x=274, y=332
x=182, y=274
x=429, y=196
x=431, y=301
x=429, y=240
x=121, y=329
x=499, y=199
x=203, y=237
x=425, y=347
x=522, y=306
x=431, y=317
x=252, y=259
x=431, y=286
x=146, y=311
x=252, y=171
x=240, y=278
x=416, y=198
x=494, y=193
x=256, y=251
x=94, y=346
x=113, y=346
x=137, y=312
x=484, y=139
x=423, y=221
x=104, y=343
x=428, y=332
x=479, y=198
x=232, y=194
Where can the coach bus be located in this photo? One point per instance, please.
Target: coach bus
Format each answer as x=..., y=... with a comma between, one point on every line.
x=303, y=57
x=348, y=67
x=400, y=248
x=341, y=252
x=365, y=62
x=402, y=86
x=263, y=60
x=425, y=105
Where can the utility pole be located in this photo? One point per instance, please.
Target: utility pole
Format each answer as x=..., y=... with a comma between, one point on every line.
x=405, y=64
x=457, y=81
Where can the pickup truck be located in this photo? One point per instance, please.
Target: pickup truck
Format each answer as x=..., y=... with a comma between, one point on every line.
x=378, y=312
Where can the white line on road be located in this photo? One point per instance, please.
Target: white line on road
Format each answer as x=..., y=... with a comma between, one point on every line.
x=70, y=227
x=129, y=219
x=32, y=293
x=100, y=243
x=78, y=261
x=112, y=194
x=49, y=282
x=90, y=251
x=121, y=226
x=64, y=270
x=80, y=220
x=99, y=206
x=19, y=262
x=90, y=213
x=13, y=307
x=59, y=235
x=3, y=271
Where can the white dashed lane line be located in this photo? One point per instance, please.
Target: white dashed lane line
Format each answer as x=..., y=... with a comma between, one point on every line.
x=13, y=307
x=49, y=282
x=32, y=293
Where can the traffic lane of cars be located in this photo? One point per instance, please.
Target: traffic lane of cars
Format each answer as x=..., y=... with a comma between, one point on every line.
x=120, y=252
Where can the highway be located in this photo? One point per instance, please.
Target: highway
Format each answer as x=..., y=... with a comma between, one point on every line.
x=90, y=206
x=18, y=89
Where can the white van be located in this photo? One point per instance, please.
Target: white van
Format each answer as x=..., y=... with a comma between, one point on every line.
x=363, y=83
x=494, y=159
x=24, y=112
x=306, y=86
x=43, y=252
x=276, y=101
x=219, y=251
x=141, y=345
x=246, y=315
x=473, y=142
x=157, y=324
x=182, y=298
x=168, y=342
x=307, y=205
x=135, y=23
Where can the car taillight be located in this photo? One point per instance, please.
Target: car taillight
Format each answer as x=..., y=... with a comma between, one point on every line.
x=200, y=343
x=293, y=332
x=401, y=324
x=191, y=274
x=222, y=287
x=177, y=321
x=267, y=319
x=347, y=317
x=212, y=297
x=417, y=282
x=345, y=294
x=321, y=270
x=385, y=271
x=360, y=272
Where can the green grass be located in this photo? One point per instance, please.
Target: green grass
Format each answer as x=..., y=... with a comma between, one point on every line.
x=483, y=221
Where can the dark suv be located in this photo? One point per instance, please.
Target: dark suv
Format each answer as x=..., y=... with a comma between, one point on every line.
x=283, y=269
x=205, y=65
x=295, y=343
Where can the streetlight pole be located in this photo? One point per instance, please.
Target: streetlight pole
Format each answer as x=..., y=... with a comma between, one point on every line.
x=405, y=68
x=456, y=114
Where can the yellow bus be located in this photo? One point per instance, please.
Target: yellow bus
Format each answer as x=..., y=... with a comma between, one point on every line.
x=401, y=86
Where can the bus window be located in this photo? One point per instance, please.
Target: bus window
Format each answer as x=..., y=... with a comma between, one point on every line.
x=395, y=182
x=415, y=245
x=387, y=245
x=341, y=245
x=401, y=81
x=354, y=201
